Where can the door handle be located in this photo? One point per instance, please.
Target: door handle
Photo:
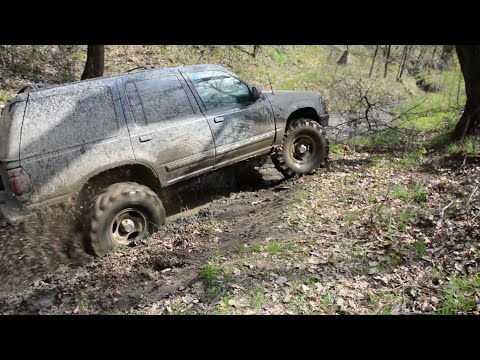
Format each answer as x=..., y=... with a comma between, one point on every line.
x=145, y=138
x=218, y=119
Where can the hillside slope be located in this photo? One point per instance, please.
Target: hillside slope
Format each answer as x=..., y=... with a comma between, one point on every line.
x=312, y=67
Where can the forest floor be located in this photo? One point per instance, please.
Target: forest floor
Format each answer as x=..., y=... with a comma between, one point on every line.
x=377, y=232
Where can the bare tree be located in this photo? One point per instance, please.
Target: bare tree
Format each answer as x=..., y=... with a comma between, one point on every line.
x=387, y=60
x=423, y=51
x=469, y=58
x=432, y=62
x=373, y=61
x=403, y=61
x=94, y=66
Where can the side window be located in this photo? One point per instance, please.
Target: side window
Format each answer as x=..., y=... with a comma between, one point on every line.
x=56, y=122
x=161, y=99
x=218, y=89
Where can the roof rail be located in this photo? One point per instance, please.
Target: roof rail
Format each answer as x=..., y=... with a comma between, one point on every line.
x=144, y=67
x=33, y=86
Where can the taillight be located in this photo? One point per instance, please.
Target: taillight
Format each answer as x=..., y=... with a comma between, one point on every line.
x=19, y=181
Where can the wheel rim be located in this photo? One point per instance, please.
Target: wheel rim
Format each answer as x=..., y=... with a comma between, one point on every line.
x=302, y=149
x=128, y=225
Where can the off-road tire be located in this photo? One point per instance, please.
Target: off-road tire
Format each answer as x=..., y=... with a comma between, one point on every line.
x=283, y=159
x=115, y=199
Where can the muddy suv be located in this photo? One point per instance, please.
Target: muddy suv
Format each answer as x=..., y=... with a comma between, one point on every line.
x=109, y=145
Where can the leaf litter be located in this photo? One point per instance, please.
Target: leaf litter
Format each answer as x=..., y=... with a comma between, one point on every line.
x=361, y=237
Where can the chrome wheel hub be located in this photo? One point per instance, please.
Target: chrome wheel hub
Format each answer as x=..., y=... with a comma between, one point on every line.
x=129, y=224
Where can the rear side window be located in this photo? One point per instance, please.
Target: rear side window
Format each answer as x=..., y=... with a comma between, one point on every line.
x=160, y=99
x=61, y=121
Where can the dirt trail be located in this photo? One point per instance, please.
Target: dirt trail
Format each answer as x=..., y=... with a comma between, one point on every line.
x=30, y=251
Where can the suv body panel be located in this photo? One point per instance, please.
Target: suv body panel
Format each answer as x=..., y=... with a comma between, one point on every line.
x=62, y=141
x=239, y=131
x=286, y=102
x=174, y=147
x=64, y=135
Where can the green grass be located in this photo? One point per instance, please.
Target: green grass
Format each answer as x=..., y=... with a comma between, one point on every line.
x=352, y=177
x=388, y=303
x=300, y=196
x=83, y=305
x=298, y=303
x=385, y=303
x=320, y=193
x=411, y=160
x=213, y=272
x=277, y=56
x=351, y=216
x=458, y=295
x=427, y=113
x=393, y=260
x=257, y=296
x=359, y=257
x=381, y=139
x=256, y=248
x=114, y=311
x=64, y=268
x=406, y=217
x=294, y=217
x=223, y=308
x=415, y=192
x=149, y=273
x=337, y=149
x=209, y=226
x=469, y=146
x=274, y=248
x=435, y=114
x=179, y=308
x=242, y=249
x=441, y=139
x=419, y=248
x=4, y=96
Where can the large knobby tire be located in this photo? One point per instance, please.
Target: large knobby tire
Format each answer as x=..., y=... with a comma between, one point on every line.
x=305, y=148
x=123, y=213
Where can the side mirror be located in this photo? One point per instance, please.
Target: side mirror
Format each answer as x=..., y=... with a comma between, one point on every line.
x=256, y=93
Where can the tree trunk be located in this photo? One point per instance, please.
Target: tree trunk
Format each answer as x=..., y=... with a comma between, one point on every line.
x=387, y=60
x=469, y=58
x=373, y=61
x=432, y=62
x=446, y=57
x=344, y=58
x=402, y=63
x=255, y=49
x=423, y=51
x=392, y=55
x=95, y=62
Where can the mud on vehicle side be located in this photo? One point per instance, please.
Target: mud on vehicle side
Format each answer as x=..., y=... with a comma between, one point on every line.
x=110, y=145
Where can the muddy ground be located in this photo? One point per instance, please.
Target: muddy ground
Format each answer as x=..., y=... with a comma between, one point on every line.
x=373, y=233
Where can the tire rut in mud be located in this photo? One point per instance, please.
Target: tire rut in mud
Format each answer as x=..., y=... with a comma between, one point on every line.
x=34, y=251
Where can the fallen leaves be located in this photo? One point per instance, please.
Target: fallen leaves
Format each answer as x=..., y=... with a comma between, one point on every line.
x=345, y=245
